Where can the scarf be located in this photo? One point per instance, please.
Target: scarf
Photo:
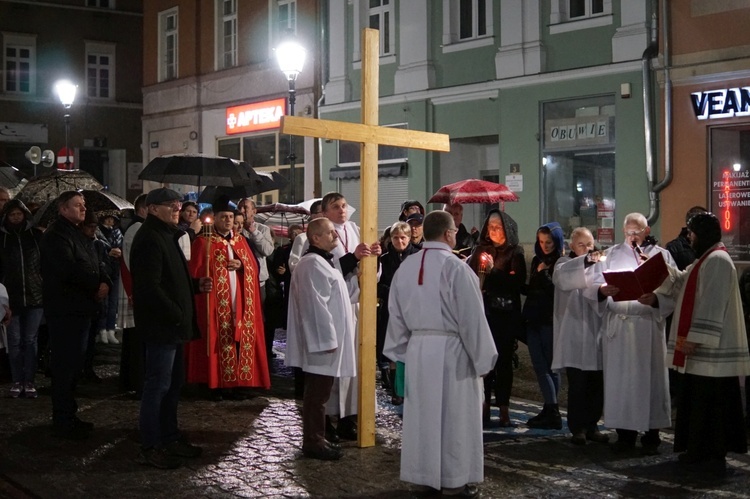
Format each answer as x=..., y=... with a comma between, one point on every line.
x=686, y=312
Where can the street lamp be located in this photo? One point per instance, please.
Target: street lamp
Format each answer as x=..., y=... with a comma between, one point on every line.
x=66, y=92
x=291, y=57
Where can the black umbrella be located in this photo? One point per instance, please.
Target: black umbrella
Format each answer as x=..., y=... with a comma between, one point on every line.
x=49, y=186
x=198, y=169
x=267, y=181
x=10, y=177
x=101, y=202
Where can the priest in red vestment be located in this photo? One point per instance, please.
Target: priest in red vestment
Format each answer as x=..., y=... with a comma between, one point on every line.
x=231, y=351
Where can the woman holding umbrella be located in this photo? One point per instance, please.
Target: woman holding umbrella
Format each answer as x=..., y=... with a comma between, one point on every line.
x=499, y=261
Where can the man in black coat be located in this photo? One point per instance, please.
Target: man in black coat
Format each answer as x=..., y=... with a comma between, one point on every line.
x=165, y=316
x=73, y=284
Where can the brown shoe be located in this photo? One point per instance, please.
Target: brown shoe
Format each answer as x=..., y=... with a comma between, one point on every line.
x=597, y=436
x=505, y=421
x=578, y=438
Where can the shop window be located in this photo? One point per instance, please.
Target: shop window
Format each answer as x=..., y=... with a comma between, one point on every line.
x=578, y=165
x=730, y=187
x=226, y=34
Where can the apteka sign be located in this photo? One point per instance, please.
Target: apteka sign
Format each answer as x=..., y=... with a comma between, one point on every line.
x=255, y=116
x=724, y=103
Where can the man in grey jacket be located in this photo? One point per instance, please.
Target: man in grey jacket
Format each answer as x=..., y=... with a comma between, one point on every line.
x=260, y=238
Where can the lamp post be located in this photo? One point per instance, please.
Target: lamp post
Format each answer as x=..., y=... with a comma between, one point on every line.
x=291, y=58
x=66, y=92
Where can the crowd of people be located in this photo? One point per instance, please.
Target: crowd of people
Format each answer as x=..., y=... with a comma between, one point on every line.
x=199, y=296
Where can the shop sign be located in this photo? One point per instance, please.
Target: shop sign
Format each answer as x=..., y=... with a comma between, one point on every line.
x=730, y=201
x=578, y=132
x=724, y=103
x=256, y=116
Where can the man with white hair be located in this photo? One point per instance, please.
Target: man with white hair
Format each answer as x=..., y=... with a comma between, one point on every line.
x=636, y=393
x=437, y=327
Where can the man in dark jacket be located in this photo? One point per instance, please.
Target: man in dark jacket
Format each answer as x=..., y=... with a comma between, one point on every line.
x=165, y=317
x=73, y=284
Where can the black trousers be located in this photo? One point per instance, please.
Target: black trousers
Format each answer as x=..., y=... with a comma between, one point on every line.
x=501, y=377
x=317, y=393
x=585, y=399
x=132, y=355
x=68, y=338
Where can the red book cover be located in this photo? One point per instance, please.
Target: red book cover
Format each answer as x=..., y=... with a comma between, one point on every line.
x=634, y=283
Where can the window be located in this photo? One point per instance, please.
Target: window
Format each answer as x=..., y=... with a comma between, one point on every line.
x=381, y=18
x=585, y=8
x=19, y=61
x=102, y=4
x=268, y=152
x=729, y=160
x=226, y=34
x=287, y=17
x=168, y=45
x=349, y=152
x=472, y=19
x=578, y=165
x=100, y=70
x=467, y=24
x=570, y=15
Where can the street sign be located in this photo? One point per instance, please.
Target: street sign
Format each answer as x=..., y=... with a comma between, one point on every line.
x=61, y=155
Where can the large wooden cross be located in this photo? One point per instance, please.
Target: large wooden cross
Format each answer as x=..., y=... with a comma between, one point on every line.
x=370, y=135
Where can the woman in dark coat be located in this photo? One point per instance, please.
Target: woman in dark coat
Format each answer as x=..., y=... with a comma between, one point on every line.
x=499, y=261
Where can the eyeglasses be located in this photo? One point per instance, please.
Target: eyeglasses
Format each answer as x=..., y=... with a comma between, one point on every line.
x=632, y=233
x=453, y=230
x=175, y=205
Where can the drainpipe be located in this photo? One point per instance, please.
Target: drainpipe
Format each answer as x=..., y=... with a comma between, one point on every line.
x=323, y=53
x=667, y=62
x=651, y=174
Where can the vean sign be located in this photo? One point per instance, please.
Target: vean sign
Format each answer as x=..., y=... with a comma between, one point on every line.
x=725, y=103
x=254, y=117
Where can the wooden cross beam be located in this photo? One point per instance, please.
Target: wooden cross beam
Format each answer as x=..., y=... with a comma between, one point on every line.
x=370, y=135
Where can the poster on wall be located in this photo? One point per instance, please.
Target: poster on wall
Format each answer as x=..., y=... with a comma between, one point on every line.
x=730, y=201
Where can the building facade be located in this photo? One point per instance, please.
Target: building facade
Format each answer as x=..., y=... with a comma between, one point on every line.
x=709, y=143
x=96, y=45
x=212, y=84
x=543, y=95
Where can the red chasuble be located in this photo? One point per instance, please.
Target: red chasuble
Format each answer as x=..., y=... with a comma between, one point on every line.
x=234, y=353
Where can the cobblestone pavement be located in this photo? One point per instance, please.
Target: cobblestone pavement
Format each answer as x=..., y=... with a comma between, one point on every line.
x=252, y=449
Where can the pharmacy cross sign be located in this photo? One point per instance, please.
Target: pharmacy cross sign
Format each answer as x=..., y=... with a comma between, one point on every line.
x=370, y=135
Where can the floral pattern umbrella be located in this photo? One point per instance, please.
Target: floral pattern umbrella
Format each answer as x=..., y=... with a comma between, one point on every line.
x=49, y=186
x=473, y=190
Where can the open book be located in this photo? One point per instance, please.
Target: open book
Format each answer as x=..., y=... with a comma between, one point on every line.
x=644, y=279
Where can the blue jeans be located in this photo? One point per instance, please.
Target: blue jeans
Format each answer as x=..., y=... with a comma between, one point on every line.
x=22, y=350
x=165, y=375
x=108, y=306
x=539, y=341
x=68, y=336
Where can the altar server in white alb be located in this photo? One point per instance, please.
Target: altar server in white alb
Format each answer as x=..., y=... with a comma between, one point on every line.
x=320, y=334
x=707, y=343
x=438, y=329
x=577, y=337
x=636, y=393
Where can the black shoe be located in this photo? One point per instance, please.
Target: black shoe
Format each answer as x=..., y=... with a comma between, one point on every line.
x=70, y=432
x=182, y=448
x=468, y=491
x=396, y=400
x=332, y=445
x=216, y=396
x=85, y=425
x=385, y=378
x=326, y=453
x=578, y=438
x=331, y=435
x=91, y=377
x=649, y=450
x=158, y=457
x=347, y=428
x=548, y=419
x=597, y=436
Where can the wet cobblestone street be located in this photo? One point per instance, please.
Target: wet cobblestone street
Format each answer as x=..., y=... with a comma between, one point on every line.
x=252, y=449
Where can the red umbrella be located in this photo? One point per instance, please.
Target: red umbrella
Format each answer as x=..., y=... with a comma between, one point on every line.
x=473, y=190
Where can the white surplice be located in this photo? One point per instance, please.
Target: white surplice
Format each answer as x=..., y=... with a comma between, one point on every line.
x=438, y=329
x=319, y=320
x=344, y=394
x=577, y=324
x=636, y=389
